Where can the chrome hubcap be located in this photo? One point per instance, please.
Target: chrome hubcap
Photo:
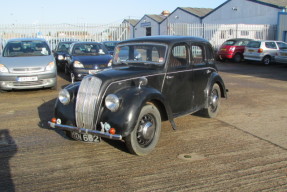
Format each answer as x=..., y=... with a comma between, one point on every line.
x=146, y=130
x=214, y=98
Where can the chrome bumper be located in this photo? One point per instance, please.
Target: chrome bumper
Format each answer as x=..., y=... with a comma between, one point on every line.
x=85, y=131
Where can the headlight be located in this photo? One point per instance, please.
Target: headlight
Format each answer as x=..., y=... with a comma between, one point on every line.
x=60, y=57
x=78, y=64
x=112, y=102
x=51, y=66
x=110, y=63
x=3, y=69
x=64, y=96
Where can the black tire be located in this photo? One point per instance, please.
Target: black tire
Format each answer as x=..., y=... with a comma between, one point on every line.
x=213, y=102
x=144, y=137
x=266, y=60
x=237, y=58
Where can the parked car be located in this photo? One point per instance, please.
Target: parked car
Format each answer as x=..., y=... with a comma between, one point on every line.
x=86, y=58
x=174, y=76
x=110, y=45
x=281, y=55
x=233, y=49
x=27, y=63
x=262, y=50
x=60, y=53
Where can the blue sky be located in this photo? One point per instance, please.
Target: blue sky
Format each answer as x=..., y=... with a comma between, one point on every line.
x=89, y=11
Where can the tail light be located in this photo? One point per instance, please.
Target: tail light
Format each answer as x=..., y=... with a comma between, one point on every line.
x=260, y=50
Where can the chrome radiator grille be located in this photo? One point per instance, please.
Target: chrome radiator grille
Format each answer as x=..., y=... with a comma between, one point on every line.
x=86, y=101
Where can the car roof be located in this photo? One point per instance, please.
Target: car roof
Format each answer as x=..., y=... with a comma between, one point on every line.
x=239, y=39
x=86, y=42
x=164, y=39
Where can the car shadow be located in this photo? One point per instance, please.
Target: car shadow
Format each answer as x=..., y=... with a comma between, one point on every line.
x=46, y=113
x=8, y=149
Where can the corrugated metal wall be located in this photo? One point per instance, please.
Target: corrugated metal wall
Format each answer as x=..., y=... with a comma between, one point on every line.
x=282, y=26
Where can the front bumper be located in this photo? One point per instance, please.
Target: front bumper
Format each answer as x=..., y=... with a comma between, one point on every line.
x=10, y=82
x=83, y=131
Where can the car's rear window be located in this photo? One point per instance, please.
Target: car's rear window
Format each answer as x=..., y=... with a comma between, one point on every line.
x=26, y=48
x=229, y=42
x=254, y=44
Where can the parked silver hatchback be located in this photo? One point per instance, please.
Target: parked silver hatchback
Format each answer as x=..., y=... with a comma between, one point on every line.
x=263, y=51
x=27, y=63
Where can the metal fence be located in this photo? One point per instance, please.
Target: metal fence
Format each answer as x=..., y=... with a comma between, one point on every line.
x=216, y=34
x=62, y=32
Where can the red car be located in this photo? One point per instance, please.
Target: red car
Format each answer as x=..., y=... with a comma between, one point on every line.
x=232, y=49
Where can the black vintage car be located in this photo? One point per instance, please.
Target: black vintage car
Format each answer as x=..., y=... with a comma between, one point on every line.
x=84, y=58
x=157, y=79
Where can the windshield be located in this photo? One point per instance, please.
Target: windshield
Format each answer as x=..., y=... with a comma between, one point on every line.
x=63, y=46
x=110, y=45
x=89, y=49
x=140, y=54
x=26, y=48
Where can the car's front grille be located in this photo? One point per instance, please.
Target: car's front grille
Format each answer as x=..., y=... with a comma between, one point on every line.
x=86, y=101
x=27, y=69
x=27, y=83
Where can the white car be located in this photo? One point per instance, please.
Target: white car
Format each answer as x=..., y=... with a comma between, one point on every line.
x=281, y=56
x=263, y=51
x=27, y=63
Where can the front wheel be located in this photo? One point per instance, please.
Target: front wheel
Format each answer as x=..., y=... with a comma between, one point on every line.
x=213, y=102
x=144, y=137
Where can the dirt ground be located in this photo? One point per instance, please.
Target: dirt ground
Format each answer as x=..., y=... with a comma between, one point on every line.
x=243, y=149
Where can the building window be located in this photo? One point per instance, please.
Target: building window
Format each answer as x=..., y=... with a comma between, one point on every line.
x=148, y=31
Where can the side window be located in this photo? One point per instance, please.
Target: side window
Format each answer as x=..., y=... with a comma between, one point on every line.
x=197, y=54
x=179, y=56
x=270, y=45
x=282, y=45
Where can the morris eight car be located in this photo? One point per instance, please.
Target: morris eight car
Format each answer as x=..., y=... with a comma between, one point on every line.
x=168, y=77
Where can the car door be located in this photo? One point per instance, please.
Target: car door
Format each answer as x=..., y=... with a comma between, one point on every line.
x=178, y=80
x=201, y=72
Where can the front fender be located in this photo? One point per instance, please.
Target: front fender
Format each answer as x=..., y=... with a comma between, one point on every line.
x=132, y=100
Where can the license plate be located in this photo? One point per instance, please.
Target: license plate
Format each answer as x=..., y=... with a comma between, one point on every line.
x=85, y=137
x=223, y=49
x=251, y=50
x=283, y=54
x=33, y=78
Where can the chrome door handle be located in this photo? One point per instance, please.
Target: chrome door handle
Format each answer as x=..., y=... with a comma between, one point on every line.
x=169, y=77
x=208, y=71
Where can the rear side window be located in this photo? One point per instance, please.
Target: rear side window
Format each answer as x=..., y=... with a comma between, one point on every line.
x=254, y=44
x=270, y=45
x=197, y=54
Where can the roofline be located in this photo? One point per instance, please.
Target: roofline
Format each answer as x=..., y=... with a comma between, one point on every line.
x=267, y=4
x=254, y=1
x=150, y=18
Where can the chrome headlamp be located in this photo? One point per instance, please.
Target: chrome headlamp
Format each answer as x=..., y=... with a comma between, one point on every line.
x=64, y=97
x=112, y=102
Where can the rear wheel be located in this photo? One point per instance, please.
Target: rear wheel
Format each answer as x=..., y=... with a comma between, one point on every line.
x=266, y=60
x=213, y=102
x=237, y=58
x=144, y=137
